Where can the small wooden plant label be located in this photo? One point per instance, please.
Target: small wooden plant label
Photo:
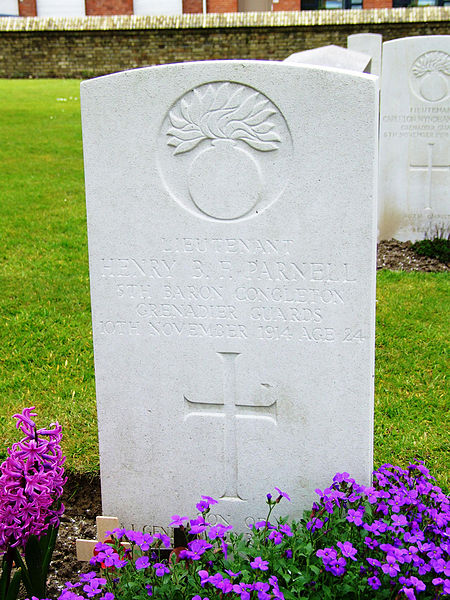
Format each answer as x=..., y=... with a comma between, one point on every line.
x=85, y=548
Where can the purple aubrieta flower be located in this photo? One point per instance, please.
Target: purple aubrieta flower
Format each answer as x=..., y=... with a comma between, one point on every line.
x=198, y=525
x=205, y=503
x=355, y=516
x=31, y=482
x=204, y=576
x=347, y=550
x=315, y=524
x=438, y=581
x=409, y=593
x=374, y=582
x=286, y=530
x=196, y=548
x=210, y=500
x=68, y=595
x=88, y=576
x=328, y=555
x=390, y=567
x=370, y=543
x=218, y=531
x=107, y=557
x=260, y=564
x=399, y=520
x=337, y=568
x=165, y=539
x=276, y=537
x=142, y=562
x=93, y=586
x=224, y=548
x=161, y=569
x=178, y=521
x=281, y=495
x=231, y=574
x=407, y=522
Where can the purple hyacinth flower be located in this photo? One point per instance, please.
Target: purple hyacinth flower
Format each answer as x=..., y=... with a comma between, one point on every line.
x=31, y=483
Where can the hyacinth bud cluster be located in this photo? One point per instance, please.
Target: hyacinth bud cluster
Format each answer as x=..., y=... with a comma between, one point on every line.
x=31, y=482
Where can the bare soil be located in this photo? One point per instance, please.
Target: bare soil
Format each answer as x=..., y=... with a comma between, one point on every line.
x=399, y=256
x=82, y=494
x=82, y=501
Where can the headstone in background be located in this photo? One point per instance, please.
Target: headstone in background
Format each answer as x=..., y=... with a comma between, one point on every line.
x=368, y=43
x=332, y=56
x=414, y=138
x=231, y=220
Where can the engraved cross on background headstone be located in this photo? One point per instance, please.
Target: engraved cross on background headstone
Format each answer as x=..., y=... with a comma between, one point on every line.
x=231, y=409
x=429, y=168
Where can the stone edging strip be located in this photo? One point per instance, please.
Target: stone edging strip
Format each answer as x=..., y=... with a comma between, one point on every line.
x=228, y=20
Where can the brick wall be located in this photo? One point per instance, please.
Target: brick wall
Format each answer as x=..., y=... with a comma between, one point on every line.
x=222, y=6
x=377, y=3
x=27, y=8
x=89, y=46
x=109, y=7
x=287, y=5
x=192, y=6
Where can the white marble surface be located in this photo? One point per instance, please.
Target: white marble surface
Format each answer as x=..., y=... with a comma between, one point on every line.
x=368, y=43
x=231, y=221
x=414, y=138
x=332, y=56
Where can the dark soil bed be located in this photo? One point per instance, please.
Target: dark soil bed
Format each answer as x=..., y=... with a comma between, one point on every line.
x=399, y=256
x=82, y=494
x=83, y=503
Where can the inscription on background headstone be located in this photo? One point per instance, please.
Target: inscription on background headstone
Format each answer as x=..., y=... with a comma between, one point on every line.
x=415, y=138
x=231, y=221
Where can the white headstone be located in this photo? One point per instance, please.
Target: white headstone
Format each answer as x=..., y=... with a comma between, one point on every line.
x=232, y=230
x=332, y=56
x=368, y=43
x=414, y=138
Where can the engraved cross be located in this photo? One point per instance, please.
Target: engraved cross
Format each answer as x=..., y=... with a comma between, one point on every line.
x=231, y=409
x=429, y=168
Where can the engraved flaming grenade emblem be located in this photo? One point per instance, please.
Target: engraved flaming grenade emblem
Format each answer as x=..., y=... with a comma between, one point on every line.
x=430, y=76
x=228, y=125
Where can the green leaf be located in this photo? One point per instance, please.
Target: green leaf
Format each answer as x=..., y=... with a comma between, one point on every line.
x=5, y=577
x=23, y=568
x=13, y=590
x=48, y=543
x=34, y=560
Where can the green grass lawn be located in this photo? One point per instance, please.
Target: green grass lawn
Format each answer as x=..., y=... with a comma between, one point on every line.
x=46, y=356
